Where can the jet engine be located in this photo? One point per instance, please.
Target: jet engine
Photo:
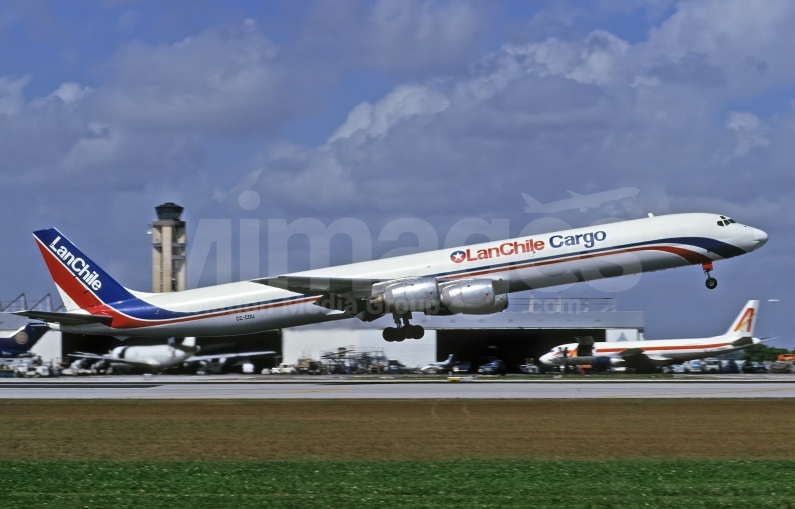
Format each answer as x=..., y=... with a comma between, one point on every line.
x=603, y=363
x=468, y=296
x=401, y=297
x=419, y=294
x=472, y=297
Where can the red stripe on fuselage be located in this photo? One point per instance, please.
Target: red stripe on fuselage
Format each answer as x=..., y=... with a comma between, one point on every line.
x=691, y=256
x=123, y=321
x=659, y=348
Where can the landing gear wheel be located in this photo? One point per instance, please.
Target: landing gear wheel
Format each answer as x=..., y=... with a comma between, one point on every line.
x=391, y=334
x=711, y=282
x=414, y=331
x=403, y=329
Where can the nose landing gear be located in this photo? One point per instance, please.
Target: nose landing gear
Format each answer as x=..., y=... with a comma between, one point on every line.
x=711, y=282
x=403, y=329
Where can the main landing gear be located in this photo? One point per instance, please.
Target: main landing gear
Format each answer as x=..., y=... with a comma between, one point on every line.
x=711, y=282
x=403, y=329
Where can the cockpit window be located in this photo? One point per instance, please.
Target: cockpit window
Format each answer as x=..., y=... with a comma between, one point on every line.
x=720, y=223
x=726, y=221
x=732, y=221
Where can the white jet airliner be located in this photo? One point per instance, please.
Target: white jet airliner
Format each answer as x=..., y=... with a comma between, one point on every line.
x=158, y=358
x=470, y=280
x=659, y=352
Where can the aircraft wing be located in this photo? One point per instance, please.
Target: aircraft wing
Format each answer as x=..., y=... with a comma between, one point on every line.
x=631, y=352
x=198, y=358
x=320, y=286
x=638, y=356
x=65, y=318
x=95, y=357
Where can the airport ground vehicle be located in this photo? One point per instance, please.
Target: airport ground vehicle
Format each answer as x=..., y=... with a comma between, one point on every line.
x=781, y=367
x=731, y=366
x=754, y=367
x=30, y=370
x=495, y=367
x=694, y=366
x=283, y=369
x=462, y=367
x=711, y=365
x=308, y=366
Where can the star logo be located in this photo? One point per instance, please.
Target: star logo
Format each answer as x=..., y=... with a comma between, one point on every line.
x=458, y=256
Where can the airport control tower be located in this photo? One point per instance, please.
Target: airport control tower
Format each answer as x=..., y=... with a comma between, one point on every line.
x=169, y=244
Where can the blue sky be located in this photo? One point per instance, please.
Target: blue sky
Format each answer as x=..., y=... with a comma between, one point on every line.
x=380, y=110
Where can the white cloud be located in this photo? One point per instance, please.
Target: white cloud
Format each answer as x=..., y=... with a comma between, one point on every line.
x=214, y=82
x=402, y=103
x=749, y=131
x=11, y=98
x=396, y=35
x=68, y=93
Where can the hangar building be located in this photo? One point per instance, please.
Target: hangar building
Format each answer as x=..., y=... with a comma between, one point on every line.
x=527, y=329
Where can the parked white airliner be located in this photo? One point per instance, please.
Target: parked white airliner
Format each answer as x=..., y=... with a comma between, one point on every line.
x=658, y=352
x=158, y=358
x=470, y=280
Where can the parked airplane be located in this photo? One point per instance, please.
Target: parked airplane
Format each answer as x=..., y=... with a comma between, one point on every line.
x=654, y=353
x=437, y=367
x=158, y=358
x=578, y=201
x=469, y=280
x=16, y=343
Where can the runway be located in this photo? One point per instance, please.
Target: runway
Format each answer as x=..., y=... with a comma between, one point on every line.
x=431, y=390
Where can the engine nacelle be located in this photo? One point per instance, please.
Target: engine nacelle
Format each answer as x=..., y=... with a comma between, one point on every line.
x=419, y=294
x=472, y=297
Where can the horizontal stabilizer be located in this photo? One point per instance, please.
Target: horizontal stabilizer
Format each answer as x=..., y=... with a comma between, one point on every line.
x=744, y=341
x=65, y=318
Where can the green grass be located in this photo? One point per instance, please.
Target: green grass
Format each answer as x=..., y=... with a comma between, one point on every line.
x=363, y=484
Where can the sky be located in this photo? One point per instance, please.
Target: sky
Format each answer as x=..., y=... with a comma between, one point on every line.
x=432, y=114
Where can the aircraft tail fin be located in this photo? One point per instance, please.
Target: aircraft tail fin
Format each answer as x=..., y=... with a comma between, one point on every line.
x=81, y=282
x=743, y=325
x=23, y=339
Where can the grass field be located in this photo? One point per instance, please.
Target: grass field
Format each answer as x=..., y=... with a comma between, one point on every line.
x=417, y=453
x=370, y=484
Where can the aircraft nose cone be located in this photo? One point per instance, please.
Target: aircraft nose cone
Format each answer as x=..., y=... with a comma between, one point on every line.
x=760, y=237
